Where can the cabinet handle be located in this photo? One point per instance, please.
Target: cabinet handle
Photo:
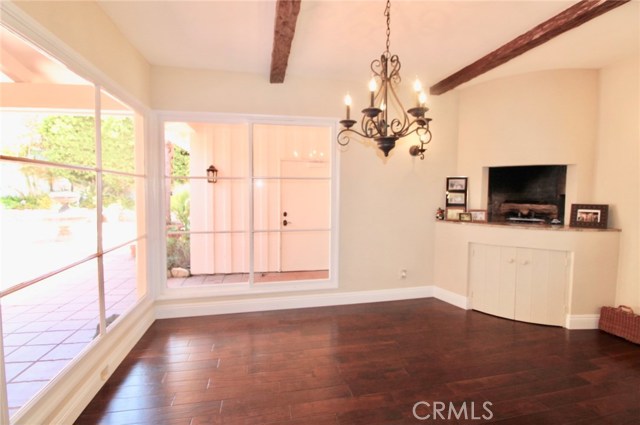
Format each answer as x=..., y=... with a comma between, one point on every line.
x=525, y=262
x=511, y=261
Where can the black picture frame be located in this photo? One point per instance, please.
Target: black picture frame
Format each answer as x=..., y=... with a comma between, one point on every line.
x=592, y=216
x=456, y=192
x=456, y=184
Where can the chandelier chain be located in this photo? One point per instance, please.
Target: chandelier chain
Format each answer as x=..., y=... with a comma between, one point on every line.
x=387, y=13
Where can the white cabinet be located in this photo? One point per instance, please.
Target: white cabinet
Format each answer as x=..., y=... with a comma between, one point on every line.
x=524, y=284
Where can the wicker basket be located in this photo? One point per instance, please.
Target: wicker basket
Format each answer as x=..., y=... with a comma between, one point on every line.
x=621, y=321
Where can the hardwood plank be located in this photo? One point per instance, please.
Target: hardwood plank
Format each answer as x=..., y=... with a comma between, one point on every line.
x=368, y=364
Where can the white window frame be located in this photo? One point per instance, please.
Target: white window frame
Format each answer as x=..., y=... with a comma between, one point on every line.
x=14, y=19
x=246, y=288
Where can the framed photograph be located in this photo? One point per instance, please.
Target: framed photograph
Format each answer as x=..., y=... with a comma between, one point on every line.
x=478, y=215
x=453, y=214
x=465, y=216
x=456, y=184
x=593, y=216
x=456, y=198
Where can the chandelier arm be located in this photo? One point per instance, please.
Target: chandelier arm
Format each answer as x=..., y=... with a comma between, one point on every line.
x=344, y=139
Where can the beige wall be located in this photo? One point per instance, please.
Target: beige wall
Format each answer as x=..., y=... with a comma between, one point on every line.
x=83, y=26
x=540, y=118
x=617, y=168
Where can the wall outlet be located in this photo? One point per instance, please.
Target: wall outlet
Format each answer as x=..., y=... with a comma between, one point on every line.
x=403, y=273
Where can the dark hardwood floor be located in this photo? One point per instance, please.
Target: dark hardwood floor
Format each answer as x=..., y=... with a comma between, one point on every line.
x=370, y=364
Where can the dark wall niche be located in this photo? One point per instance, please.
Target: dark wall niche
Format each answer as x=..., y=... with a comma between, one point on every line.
x=533, y=193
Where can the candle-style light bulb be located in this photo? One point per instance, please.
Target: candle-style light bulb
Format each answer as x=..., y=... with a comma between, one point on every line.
x=347, y=101
x=417, y=86
x=372, y=88
x=422, y=98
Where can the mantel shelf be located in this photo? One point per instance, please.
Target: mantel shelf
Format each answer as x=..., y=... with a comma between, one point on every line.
x=528, y=226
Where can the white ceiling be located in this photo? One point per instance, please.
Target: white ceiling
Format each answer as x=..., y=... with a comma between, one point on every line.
x=338, y=39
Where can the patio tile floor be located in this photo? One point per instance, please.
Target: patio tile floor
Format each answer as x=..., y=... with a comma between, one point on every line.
x=48, y=324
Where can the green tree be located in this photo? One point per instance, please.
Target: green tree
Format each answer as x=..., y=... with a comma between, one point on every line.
x=179, y=162
x=70, y=139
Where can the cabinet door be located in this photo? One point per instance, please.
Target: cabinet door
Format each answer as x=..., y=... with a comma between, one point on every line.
x=492, y=279
x=540, y=286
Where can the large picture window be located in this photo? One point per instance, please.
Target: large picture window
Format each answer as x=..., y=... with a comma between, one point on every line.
x=72, y=219
x=263, y=216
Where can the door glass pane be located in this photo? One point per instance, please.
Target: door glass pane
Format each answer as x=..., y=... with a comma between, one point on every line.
x=291, y=204
x=282, y=256
x=199, y=206
x=207, y=258
x=48, y=219
x=274, y=145
x=192, y=147
x=208, y=221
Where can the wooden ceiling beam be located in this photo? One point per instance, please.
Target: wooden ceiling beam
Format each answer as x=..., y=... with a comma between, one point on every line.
x=566, y=20
x=285, y=28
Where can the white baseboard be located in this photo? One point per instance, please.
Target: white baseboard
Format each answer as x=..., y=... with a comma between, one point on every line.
x=67, y=395
x=452, y=298
x=582, y=321
x=198, y=307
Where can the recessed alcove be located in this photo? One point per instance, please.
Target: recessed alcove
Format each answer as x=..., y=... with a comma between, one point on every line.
x=529, y=194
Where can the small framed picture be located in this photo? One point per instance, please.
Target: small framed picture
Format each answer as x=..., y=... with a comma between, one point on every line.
x=465, y=216
x=593, y=216
x=453, y=214
x=457, y=184
x=478, y=215
x=456, y=198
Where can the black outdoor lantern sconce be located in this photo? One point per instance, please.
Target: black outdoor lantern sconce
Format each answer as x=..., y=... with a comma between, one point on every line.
x=212, y=174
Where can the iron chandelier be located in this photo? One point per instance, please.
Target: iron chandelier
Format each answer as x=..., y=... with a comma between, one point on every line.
x=375, y=122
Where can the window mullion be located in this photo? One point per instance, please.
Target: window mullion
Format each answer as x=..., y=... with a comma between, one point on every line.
x=251, y=209
x=99, y=186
